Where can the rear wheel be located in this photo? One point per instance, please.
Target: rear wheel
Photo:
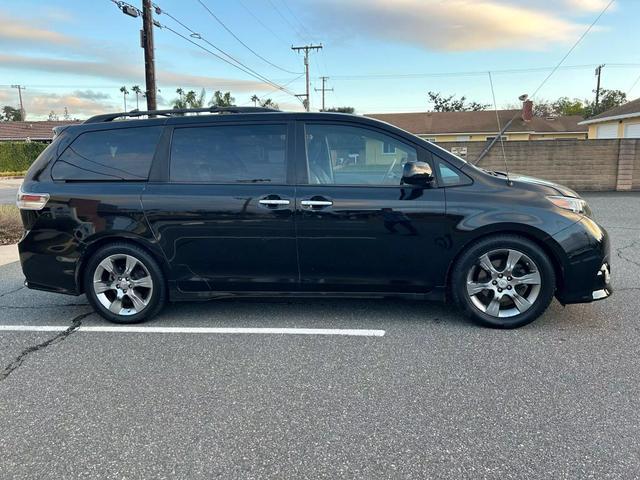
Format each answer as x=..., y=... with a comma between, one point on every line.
x=124, y=284
x=504, y=281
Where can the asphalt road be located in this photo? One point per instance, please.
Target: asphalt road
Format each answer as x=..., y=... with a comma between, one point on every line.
x=435, y=397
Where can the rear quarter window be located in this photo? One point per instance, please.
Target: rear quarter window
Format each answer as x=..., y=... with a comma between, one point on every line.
x=119, y=154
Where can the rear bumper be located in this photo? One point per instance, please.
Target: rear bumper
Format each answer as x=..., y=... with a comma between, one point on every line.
x=49, y=261
x=586, y=270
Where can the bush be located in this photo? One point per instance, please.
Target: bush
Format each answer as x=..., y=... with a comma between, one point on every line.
x=18, y=156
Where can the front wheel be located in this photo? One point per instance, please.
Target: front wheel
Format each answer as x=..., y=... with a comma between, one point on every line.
x=124, y=283
x=504, y=281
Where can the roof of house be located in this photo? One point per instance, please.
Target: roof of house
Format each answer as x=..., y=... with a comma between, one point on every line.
x=30, y=130
x=438, y=123
x=628, y=110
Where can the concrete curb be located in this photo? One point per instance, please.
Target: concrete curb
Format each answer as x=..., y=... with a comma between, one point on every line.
x=8, y=254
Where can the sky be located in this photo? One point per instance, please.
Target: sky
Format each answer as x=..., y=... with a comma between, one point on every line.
x=379, y=55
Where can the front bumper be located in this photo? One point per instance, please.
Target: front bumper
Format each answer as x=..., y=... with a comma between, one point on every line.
x=586, y=269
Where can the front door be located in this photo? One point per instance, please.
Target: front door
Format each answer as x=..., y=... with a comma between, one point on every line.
x=359, y=229
x=224, y=214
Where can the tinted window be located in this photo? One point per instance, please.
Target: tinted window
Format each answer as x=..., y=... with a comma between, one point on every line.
x=229, y=154
x=122, y=154
x=451, y=176
x=345, y=155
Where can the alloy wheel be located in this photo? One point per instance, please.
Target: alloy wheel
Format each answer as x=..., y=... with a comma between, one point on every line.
x=122, y=284
x=503, y=283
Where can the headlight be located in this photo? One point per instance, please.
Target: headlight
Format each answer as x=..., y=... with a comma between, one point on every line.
x=576, y=205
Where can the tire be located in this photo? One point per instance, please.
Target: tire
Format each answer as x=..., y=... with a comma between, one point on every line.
x=141, y=292
x=520, y=290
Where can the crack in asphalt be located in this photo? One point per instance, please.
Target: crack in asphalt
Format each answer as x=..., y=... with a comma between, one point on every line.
x=621, y=249
x=4, y=294
x=18, y=361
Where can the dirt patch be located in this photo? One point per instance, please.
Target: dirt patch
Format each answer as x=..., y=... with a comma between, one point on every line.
x=10, y=224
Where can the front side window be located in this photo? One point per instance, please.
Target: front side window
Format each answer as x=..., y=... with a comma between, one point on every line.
x=120, y=154
x=346, y=155
x=229, y=154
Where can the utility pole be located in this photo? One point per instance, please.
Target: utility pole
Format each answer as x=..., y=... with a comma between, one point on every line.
x=20, y=88
x=323, y=89
x=598, y=72
x=149, y=60
x=306, y=49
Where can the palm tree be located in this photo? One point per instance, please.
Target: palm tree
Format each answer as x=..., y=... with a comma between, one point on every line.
x=125, y=92
x=222, y=99
x=137, y=91
x=255, y=99
x=268, y=103
x=179, y=102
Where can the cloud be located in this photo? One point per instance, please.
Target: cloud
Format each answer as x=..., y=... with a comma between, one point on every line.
x=91, y=95
x=451, y=25
x=17, y=30
x=40, y=104
x=588, y=5
x=126, y=73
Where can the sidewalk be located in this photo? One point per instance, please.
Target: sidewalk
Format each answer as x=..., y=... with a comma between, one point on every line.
x=8, y=254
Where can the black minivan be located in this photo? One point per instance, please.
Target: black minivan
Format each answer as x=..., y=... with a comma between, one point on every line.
x=252, y=202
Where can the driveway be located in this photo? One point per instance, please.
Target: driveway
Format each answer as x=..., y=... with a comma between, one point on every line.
x=8, y=190
x=389, y=388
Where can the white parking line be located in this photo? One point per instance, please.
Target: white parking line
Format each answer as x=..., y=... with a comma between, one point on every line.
x=197, y=330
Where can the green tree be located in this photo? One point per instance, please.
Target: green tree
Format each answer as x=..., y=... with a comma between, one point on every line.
x=452, y=104
x=255, y=99
x=10, y=114
x=340, y=109
x=189, y=99
x=608, y=99
x=125, y=92
x=587, y=108
x=268, y=103
x=220, y=99
x=136, y=89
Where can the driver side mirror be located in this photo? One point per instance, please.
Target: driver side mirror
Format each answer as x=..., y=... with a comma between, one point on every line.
x=417, y=173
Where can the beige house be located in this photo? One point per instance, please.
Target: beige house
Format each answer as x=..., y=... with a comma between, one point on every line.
x=483, y=125
x=619, y=122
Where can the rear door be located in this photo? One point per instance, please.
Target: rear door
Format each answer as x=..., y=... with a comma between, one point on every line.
x=222, y=208
x=358, y=228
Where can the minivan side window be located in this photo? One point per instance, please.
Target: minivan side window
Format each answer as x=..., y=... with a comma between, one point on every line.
x=229, y=154
x=348, y=155
x=119, y=154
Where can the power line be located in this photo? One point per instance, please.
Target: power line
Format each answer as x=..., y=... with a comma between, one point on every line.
x=266, y=27
x=229, y=60
x=246, y=70
x=241, y=42
x=296, y=18
x=573, y=47
x=473, y=73
x=634, y=84
x=279, y=12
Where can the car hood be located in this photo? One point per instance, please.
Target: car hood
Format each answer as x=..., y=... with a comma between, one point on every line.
x=561, y=189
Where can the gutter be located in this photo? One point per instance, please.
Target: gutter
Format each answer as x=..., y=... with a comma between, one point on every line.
x=608, y=119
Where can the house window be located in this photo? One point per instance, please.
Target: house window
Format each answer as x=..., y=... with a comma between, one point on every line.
x=388, y=148
x=503, y=138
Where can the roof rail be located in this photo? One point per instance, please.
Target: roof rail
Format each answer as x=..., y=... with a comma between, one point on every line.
x=108, y=117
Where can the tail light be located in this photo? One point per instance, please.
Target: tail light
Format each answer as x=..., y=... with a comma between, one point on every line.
x=31, y=201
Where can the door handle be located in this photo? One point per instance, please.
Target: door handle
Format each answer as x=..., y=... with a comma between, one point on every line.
x=316, y=203
x=273, y=202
